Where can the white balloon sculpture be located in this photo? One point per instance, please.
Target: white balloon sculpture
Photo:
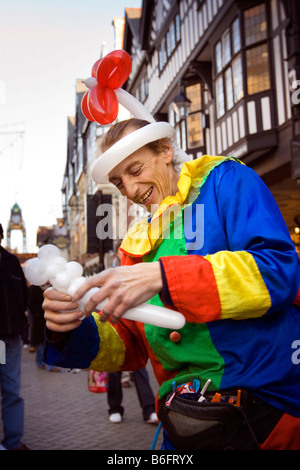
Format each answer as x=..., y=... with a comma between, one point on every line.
x=67, y=277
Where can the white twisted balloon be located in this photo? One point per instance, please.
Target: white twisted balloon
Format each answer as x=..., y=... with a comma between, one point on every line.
x=67, y=277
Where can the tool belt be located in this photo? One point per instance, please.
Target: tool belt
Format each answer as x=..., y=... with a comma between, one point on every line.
x=207, y=425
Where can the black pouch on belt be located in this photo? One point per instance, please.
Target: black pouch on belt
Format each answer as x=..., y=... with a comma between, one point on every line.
x=193, y=425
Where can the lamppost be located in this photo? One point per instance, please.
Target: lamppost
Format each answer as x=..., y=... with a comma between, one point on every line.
x=182, y=104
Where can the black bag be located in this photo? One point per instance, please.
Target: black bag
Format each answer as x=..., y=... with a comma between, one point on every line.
x=193, y=425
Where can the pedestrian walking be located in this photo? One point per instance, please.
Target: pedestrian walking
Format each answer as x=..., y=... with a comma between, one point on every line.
x=13, y=304
x=37, y=330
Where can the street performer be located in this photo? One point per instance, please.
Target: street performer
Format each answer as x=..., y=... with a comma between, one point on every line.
x=216, y=249
x=236, y=285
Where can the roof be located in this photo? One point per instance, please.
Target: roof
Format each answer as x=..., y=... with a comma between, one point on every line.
x=132, y=25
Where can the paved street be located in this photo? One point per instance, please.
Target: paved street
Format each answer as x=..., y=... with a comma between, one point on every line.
x=61, y=413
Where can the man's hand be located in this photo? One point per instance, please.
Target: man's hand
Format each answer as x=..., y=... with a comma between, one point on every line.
x=125, y=287
x=61, y=312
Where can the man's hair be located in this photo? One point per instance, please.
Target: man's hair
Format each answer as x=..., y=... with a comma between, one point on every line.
x=1, y=231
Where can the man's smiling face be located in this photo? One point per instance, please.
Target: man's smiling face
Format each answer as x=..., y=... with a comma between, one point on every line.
x=146, y=178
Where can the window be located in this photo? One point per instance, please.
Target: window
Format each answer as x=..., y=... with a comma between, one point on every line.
x=142, y=93
x=258, y=78
x=229, y=89
x=229, y=80
x=169, y=48
x=169, y=42
x=257, y=54
x=220, y=97
x=219, y=57
x=226, y=49
x=255, y=24
x=177, y=28
x=79, y=157
x=162, y=55
x=230, y=53
x=237, y=76
x=172, y=32
x=236, y=36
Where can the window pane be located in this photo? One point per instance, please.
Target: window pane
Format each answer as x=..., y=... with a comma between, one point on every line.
x=258, y=77
x=236, y=39
x=193, y=93
x=226, y=47
x=178, y=34
x=169, y=50
x=171, y=116
x=195, y=134
x=164, y=49
x=172, y=36
x=220, y=97
x=219, y=57
x=183, y=135
x=178, y=138
x=162, y=55
x=161, y=58
x=255, y=24
x=237, y=75
x=229, y=91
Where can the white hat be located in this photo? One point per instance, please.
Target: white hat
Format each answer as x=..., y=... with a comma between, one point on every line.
x=128, y=145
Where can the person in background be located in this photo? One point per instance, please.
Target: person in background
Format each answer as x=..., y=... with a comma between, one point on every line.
x=27, y=327
x=37, y=330
x=13, y=304
x=140, y=378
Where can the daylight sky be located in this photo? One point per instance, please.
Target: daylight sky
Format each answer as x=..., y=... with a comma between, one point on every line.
x=44, y=47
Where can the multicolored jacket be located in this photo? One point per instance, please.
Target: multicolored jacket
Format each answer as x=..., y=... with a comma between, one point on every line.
x=230, y=266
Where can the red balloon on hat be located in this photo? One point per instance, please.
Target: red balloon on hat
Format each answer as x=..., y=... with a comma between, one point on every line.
x=100, y=103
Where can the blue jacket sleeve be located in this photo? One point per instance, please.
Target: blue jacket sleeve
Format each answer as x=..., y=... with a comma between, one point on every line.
x=80, y=348
x=253, y=223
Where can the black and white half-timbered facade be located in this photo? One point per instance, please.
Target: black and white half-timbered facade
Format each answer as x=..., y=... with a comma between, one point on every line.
x=237, y=64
